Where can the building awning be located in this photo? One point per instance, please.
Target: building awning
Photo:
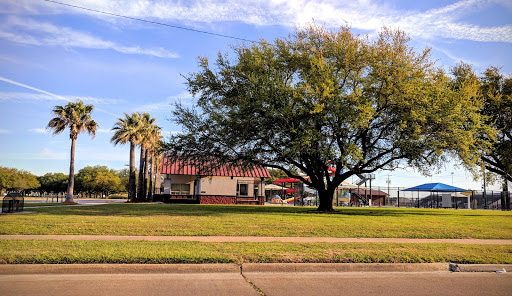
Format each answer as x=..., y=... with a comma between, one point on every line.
x=186, y=168
x=286, y=180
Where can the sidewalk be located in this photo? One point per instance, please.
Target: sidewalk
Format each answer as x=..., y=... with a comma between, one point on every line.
x=263, y=239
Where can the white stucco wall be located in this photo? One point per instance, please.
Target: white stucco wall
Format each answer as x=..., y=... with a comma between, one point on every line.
x=178, y=179
x=224, y=185
x=211, y=185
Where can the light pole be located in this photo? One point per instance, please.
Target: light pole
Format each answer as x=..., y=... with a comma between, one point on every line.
x=371, y=177
x=388, y=181
x=452, y=178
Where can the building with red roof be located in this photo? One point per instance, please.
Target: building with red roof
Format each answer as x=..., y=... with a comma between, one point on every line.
x=212, y=183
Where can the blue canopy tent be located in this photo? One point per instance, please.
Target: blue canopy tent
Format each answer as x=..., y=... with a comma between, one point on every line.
x=435, y=187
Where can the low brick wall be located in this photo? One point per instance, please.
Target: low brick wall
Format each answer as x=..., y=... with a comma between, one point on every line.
x=258, y=201
x=167, y=198
x=208, y=199
x=217, y=200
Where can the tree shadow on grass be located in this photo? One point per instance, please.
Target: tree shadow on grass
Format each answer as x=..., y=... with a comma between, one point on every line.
x=141, y=210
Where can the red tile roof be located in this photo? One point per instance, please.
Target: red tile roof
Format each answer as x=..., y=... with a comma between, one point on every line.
x=180, y=167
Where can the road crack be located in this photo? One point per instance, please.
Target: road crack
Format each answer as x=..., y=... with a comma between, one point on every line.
x=251, y=283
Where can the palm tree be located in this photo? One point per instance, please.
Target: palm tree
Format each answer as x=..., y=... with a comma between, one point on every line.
x=147, y=125
x=127, y=130
x=158, y=163
x=75, y=116
x=153, y=149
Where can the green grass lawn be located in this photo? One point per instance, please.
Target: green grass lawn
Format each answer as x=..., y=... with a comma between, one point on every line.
x=209, y=220
x=71, y=251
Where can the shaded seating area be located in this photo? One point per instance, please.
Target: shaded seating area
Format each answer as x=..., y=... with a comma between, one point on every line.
x=441, y=195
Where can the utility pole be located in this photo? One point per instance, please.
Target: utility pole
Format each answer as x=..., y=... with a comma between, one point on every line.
x=452, y=179
x=371, y=177
x=388, y=181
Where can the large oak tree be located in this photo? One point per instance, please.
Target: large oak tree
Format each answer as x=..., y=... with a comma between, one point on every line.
x=496, y=90
x=331, y=104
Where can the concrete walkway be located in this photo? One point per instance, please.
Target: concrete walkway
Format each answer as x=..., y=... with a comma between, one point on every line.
x=260, y=239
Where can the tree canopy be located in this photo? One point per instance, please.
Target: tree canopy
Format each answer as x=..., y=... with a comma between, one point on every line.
x=98, y=179
x=19, y=180
x=53, y=182
x=330, y=104
x=496, y=90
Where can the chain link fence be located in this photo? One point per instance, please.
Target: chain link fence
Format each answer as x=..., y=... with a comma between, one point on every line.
x=399, y=197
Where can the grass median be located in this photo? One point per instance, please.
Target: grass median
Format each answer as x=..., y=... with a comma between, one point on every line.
x=69, y=252
x=213, y=220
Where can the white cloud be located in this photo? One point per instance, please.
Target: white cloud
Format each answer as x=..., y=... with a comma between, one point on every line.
x=4, y=131
x=32, y=32
x=165, y=106
x=363, y=14
x=39, y=131
x=441, y=22
x=88, y=154
x=47, y=153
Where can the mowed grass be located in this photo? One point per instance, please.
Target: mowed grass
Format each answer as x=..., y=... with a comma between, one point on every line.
x=71, y=251
x=212, y=220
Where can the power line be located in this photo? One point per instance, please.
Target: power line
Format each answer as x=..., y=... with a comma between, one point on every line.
x=152, y=22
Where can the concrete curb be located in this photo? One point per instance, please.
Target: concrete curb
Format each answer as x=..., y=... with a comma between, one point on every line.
x=345, y=267
x=10, y=269
x=499, y=268
x=15, y=269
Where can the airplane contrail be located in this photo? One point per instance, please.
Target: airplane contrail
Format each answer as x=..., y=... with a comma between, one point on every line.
x=34, y=88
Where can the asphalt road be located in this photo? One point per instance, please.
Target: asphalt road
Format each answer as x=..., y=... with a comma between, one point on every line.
x=383, y=283
x=256, y=283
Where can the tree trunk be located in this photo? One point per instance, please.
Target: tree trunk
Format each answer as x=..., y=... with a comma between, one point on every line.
x=141, y=174
x=325, y=197
x=132, y=190
x=145, y=184
x=150, y=189
x=71, y=182
x=505, y=200
x=158, y=181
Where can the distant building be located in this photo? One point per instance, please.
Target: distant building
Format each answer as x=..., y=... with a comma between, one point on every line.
x=222, y=184
x=367, y=196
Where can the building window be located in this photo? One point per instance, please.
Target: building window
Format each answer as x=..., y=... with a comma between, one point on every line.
x=180, y=189
x=243, y=189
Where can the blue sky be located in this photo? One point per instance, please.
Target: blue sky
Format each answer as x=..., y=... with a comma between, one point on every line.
x=51, y=54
